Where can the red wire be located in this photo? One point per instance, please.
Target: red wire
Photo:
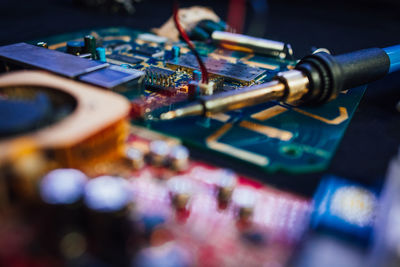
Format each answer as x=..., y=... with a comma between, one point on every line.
x=203, y=69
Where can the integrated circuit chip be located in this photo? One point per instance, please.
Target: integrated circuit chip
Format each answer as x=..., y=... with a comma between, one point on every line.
x=160, y=71
x=219, y=68
x=124, y=59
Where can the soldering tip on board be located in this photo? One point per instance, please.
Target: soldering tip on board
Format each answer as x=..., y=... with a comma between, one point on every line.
x=168, y=115
x=190, y=110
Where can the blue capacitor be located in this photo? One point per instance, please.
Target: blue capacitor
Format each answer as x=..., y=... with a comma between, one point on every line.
x=197, y=75
x=101, y=54
x=176, y=51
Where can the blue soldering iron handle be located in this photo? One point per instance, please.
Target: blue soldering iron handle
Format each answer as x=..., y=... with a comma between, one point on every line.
x=393, y=53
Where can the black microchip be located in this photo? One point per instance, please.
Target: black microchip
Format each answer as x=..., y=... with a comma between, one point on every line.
x=125, y=59
x=147, y=51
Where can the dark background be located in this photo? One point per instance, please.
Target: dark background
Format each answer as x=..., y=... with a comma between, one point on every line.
x=373, y=136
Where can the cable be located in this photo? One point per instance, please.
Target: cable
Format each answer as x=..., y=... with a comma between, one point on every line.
x=203, y=69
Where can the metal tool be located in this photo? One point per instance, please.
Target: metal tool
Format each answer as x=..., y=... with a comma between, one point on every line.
x=316, y=79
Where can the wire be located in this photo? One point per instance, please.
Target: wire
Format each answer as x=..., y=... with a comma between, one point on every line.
x=203, y=69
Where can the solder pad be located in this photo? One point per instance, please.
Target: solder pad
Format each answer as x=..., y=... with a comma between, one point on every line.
x=272, y=136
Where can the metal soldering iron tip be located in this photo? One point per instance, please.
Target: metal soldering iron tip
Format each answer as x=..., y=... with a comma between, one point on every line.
x=168, y=115
x=190, y=110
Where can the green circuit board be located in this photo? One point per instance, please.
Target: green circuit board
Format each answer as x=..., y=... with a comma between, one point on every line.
x=272, y=136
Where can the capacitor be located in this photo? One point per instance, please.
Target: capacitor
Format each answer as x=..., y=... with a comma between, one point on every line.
x=179, y=157
x=159, y=151
x=225, y=184
x=62, y=186
x=194, y=85
x=180, y=190
x=197, y=75
x=244, y=199
x=75, y=48
x=101, y=54
x=136, y=157
x=108, y=199
x=176, y=52
x=107, y=194
x=90, y=45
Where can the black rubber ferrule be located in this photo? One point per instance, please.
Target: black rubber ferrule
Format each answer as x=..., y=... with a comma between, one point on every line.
x=328, y=75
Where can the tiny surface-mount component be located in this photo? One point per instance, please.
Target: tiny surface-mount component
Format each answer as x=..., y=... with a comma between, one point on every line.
x=225, y=183
x=180, y=190
x=75, y=48
x=159, y=151
x=148, y=51
x=136, y=157
x=107, y=194
x=179, y=157
x=120, y=59
x=218, y=68
x=244, y=198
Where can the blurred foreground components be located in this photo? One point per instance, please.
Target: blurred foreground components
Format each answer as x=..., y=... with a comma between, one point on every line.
x=251, y=44
x=344, y=207
x=94, y=130
x=89, y=71
x=386, y=249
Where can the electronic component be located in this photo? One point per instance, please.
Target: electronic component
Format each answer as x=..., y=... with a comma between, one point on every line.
x=107, y=194
x=101, y=54
x=136, y=157
x=344, y=206
x=160, y=77
x=116, y=78
x=148, y=51
x=218, y=68
x=159, y=151
x=31, y=56
x=123, y=59
x=62, y=186
x=90, y=45
x=42, y=44
x=75, y=48
x=181, y=190
x=179, y=157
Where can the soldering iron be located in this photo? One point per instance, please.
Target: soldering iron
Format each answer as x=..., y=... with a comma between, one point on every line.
x=316, y=79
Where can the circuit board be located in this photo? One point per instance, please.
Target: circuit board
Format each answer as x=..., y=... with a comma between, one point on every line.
x=272, y=136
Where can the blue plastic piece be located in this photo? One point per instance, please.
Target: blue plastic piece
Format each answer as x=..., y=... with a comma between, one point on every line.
x=101, y=53
x=394, y=55
x=176, y=50
x=345, y=207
